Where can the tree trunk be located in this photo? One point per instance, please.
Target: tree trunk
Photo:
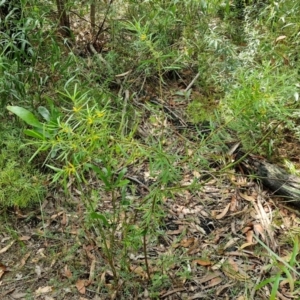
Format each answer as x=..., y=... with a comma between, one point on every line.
x=63, y=17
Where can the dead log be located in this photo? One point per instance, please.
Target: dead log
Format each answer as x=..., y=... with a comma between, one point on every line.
x=278, y=181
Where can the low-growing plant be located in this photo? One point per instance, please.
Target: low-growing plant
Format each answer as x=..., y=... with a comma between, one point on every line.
x=72, y=136
x=285, y=270
x=20, y=183
x=154, y=58
x=260, y=98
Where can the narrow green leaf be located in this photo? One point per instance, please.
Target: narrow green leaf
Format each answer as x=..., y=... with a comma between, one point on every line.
x=264, y=282
x=25, y=115
x=101, y=173
x=101, y=217
x=122, y=183
x=34, y=134
x=275, y=287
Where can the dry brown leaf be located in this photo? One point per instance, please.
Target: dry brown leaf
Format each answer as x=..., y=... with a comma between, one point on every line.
x=209, y=277
x=219, y=264
x=223, y=213
x=88, y=250
x=214, y=282
x=25, y=238
x=175, y=232
x=280, y=38
x=139, y=271
x=222, y=288
x=231, y=242
x=258, y=229
x=246, y=229
x=24, y=259
x=249, y=236
x=3, y=269
x=64, y=219
x=202, y=262
x=196, y=174
x=56, y=215
x=7, y=238
x=67, y=273
x=168, y=293
x=245, y=245
x=200, y=295
x=19, y=295
x=102, y=278
x=80, y=285
x=38, y=270
x=187, y=242
x=6, y=247
x=233, y=264
x=53, y=261
x=43, y=290
x=232, y=270
x=92, y=270
x=233, y=204
x=246, y=197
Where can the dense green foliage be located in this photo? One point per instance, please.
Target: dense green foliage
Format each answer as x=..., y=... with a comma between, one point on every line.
x=21, y=183
x=81, y=101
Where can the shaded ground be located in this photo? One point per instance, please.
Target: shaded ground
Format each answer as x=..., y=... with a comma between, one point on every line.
x=207, y=245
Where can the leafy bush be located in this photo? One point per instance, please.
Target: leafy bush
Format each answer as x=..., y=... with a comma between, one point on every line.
x=73, y=136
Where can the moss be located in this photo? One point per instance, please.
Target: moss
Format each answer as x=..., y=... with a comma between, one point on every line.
x=201, y=109
x=20, y=184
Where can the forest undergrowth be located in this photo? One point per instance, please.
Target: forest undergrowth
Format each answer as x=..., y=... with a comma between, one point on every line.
x=128, y=134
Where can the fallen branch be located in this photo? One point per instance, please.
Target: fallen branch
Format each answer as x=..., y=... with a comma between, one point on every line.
x=279, y=181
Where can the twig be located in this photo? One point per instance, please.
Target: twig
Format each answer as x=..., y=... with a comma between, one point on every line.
x=94, y=51
x=84, y=19
x=103, y=22
x=192, y=82
x=137, y=181
x=145, y=254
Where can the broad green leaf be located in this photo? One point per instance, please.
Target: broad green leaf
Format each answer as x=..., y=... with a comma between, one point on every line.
x=25, y=115
x=44, y=112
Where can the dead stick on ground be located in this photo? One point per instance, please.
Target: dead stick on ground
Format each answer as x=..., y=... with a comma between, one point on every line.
x=192, y=82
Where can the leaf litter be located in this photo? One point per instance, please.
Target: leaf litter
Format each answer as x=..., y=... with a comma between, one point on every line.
x=215, y=233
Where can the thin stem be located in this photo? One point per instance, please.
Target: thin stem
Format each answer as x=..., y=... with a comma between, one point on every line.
x=145, y=254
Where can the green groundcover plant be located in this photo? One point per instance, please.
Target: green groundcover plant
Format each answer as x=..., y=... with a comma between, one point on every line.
x=20, y=183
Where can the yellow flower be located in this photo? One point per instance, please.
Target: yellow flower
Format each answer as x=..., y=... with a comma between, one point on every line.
x=143, y=37
x=94, y=137
x=90, y=120
x=70, y=169
x=77, y=109
x=99, y=113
